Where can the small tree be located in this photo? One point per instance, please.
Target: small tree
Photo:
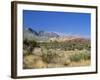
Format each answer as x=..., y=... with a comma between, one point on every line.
x=30, y=45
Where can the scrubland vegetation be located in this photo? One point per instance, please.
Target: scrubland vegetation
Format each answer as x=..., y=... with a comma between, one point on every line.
x=53, y=54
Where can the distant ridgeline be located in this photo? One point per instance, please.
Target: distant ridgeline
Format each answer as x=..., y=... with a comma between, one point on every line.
x=31, y=34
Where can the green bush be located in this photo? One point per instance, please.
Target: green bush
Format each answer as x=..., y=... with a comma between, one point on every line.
x=29, y=45
x=49, y=56
x=80, y=56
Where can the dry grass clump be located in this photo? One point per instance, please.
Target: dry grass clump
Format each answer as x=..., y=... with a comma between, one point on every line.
x=31, y=62
x=53, y=65
x=80, y=63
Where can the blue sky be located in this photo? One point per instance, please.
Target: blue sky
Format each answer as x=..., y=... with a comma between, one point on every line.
x=61, y=22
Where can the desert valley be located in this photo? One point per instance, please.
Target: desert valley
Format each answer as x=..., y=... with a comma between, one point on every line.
x=43, y=49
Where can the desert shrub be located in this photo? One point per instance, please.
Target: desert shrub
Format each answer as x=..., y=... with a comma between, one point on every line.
x=25, y=53
x=29, y=45
x=67, y=45
x=75, y=57
x=31, y=62
x=85, y=55
x=32, y=43
x=49, y=56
